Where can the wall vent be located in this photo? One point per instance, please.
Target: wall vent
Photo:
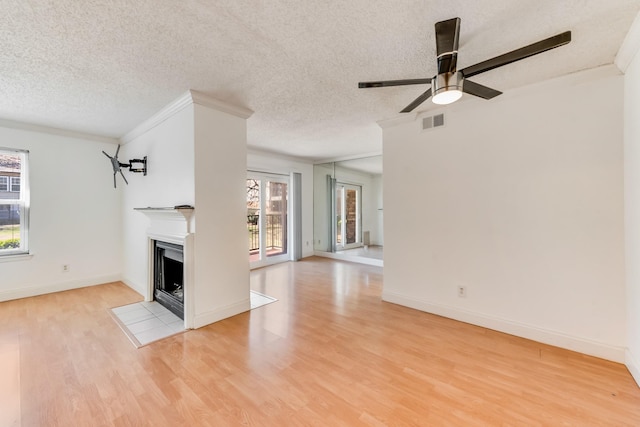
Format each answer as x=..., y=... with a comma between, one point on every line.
x=433, y=121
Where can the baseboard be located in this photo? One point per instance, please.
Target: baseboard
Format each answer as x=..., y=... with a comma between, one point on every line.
x=221, y=313
x=307, y=254
x=350, y=258
x=633, y=365
x=534, y=333
x=32, y=291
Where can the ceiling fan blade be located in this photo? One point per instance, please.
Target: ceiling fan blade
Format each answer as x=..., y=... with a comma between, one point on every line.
x=394, y=83
x=518, y=54
x=479, y=90
x=447, y=34
x=419, y=100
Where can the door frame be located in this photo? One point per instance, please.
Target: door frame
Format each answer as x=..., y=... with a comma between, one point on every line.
x=265, y=177
x=340, y=187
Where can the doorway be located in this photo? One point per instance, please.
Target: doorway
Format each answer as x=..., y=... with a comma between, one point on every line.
x=348, y=216
x=267, y=219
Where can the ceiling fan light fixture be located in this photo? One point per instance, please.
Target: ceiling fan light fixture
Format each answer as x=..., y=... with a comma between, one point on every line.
x=447, y=96
x=447, y=88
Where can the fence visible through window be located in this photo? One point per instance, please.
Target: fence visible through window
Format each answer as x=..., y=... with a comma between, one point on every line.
x=275, y=232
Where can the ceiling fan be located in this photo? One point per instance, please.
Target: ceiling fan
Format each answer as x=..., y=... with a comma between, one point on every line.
x=447, y=86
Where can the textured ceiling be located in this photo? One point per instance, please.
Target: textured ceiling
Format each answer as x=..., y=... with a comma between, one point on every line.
x=102, y=67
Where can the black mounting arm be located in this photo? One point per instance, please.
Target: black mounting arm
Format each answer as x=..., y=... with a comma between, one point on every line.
x=134, y=165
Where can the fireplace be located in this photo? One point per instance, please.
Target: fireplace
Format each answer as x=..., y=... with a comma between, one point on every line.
x=168, y=276
x=170, y=244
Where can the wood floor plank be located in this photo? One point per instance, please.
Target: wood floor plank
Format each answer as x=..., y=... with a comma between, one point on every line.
x=10, y=380
x=329, y=352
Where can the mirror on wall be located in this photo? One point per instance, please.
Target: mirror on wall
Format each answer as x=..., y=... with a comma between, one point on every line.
x=348, y=208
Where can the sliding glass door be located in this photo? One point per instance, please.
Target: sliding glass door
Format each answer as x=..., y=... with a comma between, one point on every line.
x=267, y=218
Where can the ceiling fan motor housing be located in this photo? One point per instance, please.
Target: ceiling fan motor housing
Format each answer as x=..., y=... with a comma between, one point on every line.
x=444, y=83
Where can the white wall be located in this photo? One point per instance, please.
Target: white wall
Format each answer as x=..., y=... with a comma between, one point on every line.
x=74, y=218
x=221, y=251
x=263, y=162
x=519, y=200
x=170, y=181
x=632, y=212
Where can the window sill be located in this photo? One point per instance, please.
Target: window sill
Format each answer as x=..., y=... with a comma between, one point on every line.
x=15, y=257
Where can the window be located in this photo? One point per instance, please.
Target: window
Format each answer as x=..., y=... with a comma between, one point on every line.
x=15, y=184
x=14, y=202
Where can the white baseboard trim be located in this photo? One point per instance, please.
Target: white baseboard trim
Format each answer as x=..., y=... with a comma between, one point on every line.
x=534, y=333
x=32, y=291
x=141, y=289
x=221, y=313
x=350, y=258
x=633, y=365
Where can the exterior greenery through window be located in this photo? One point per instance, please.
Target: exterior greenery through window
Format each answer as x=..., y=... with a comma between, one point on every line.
x=14, y=202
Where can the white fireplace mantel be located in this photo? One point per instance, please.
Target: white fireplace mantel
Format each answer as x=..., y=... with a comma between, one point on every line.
x=172, y=225
x=182, y=215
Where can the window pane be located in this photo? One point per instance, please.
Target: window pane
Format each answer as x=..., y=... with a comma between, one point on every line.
x=14, y=203
x=351, y=215
x=15, y=184
x=276, y=218
x=9, y=226
x=253, y=218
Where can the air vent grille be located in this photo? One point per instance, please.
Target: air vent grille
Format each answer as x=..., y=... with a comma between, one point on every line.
x=433, y=121
x=427, y=122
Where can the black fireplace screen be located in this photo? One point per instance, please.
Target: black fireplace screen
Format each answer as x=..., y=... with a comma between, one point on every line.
x=169, y=277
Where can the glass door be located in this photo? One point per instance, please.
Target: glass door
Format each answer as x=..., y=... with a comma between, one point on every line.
x=253, y=218
x=348, y=216
x=267, y=219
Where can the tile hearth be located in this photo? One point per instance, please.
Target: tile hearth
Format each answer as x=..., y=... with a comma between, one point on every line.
x=145, y=322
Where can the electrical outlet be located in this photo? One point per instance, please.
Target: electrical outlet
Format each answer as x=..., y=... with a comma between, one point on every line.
x=66, y=268
x=462, y=292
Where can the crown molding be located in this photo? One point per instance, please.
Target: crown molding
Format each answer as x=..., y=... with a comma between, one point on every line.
x=188, y=98
x=32, y=127
x=207, y=101
x=629, y=47
x=168, y=111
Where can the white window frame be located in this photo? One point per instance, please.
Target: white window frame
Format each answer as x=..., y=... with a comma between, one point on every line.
x=5, y=186
x=22, y=201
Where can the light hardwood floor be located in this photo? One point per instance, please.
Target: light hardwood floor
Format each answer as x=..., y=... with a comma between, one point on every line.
x=328, y=353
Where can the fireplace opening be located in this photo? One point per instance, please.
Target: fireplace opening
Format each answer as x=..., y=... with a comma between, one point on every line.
x=169, y=277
